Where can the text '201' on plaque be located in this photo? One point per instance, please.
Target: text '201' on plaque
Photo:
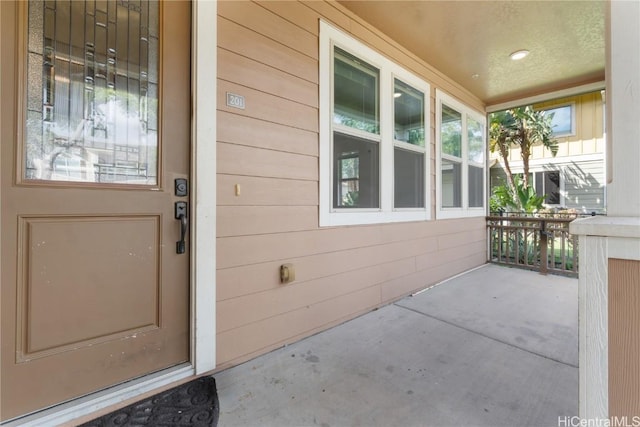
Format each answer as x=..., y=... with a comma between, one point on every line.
x=235, y=101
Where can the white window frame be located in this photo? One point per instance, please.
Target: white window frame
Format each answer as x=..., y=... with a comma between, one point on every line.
x=328, y=215
x=572, y=106
x=464, y=211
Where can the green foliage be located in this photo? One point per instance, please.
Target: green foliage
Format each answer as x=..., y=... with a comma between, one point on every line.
x=502, y=126
x=521, y=127
x=370, y=126
x=521, y=198
x=451, y=136
x=350, y=199
x=416, y=137
x=528, y=200
x=533, y=127
x=501, y=199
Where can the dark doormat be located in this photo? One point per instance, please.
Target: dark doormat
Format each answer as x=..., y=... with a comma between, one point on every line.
x=194, y=404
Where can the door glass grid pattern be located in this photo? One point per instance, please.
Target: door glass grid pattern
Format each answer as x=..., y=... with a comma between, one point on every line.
x=92, y=92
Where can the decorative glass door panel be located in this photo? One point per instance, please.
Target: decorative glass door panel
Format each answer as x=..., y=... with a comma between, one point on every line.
x=92, y=92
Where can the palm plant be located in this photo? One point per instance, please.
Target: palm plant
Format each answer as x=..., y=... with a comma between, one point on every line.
x=521, y=127
x=519, y=198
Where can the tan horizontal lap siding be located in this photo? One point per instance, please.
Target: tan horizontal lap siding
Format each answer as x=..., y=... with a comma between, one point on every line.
x=270, y=24
x=263, y=305
x=424, y=252
x=246, y=250
x=242, y=130
x=268, y=191
x=261, y=191
x=245, y=42
x=268, y=107
x=252, y=220
x=249, y=73
x=240, y=160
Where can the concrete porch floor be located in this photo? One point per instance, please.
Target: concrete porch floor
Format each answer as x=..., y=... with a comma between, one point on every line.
x=494, y=347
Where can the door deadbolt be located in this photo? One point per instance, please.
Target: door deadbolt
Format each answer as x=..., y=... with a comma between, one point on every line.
x=181, y=187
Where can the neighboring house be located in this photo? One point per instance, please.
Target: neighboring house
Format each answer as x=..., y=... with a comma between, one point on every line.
x=575, y=178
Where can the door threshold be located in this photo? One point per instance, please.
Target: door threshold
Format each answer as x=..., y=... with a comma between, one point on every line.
x=82, y=406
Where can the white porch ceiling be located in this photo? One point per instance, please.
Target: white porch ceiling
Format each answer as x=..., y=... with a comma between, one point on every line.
x=466, y=38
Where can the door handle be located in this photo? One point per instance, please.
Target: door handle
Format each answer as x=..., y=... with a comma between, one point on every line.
x=181, y=214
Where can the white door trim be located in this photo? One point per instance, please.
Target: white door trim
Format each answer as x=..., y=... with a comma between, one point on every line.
x=203, y=200
x=203, y=237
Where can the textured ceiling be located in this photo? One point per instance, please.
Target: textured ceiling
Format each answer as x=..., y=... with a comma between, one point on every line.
x=466, y=38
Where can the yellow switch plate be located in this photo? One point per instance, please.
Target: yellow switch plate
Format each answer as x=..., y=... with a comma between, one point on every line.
x=287, y=273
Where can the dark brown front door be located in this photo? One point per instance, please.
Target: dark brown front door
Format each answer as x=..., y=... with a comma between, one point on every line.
x=95, y=126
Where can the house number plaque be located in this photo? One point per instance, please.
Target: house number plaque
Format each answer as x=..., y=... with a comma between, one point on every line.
x=235, y=101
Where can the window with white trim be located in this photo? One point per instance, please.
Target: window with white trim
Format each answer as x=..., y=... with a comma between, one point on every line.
x=563, y=121
x=460, y=159
x=374, y=127
x=548, y=184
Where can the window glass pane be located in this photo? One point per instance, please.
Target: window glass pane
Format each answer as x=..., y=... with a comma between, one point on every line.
x=476, y=184
x=408, y=179
x=356, y=172
x=451, y=132
x=552, y=187
x=451, y=184
x=89, y=104
x=561, y=121
x=408, y=110
x=355, y=93
x=476, y=138
x=539, y=183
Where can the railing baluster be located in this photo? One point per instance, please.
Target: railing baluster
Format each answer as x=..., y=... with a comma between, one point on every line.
x=523, y=241
x=564, y=253
x=543, y=249
x=500, y=242
x=525, y=246
x=507, y=247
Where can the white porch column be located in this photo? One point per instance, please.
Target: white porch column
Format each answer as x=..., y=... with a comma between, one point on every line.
x=618, y=234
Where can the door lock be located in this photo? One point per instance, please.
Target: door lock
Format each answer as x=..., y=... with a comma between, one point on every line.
x=181, y=187
x=182, y=215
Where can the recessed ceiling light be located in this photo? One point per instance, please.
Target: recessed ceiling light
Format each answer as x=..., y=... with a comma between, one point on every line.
x=397, y=94
x=475, y=76
x=517, y=55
